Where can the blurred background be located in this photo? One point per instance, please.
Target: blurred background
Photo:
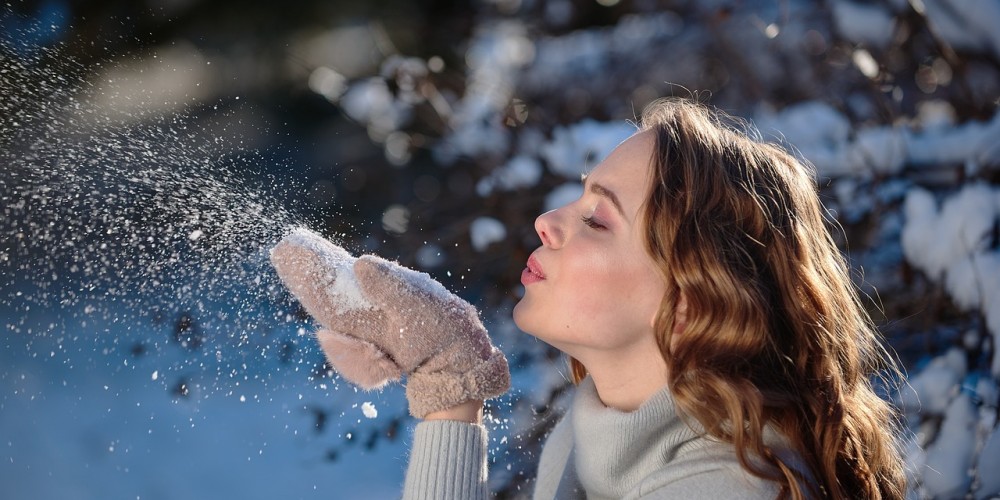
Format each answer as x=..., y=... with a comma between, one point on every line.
x=151, y=152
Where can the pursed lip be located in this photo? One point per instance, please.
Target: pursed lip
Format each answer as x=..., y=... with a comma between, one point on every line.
x=535, y=267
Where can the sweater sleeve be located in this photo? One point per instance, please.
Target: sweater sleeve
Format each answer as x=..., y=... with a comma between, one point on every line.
x=447, y=461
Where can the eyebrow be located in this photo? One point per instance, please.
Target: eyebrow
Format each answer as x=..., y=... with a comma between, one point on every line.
x=601, y=190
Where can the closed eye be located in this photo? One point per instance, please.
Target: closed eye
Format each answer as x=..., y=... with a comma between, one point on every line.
x=591, y=223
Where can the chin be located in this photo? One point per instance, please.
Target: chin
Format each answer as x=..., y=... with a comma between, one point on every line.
x=523, y=318
x=519, y=316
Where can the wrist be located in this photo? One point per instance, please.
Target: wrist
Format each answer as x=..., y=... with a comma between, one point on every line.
x=469, y=411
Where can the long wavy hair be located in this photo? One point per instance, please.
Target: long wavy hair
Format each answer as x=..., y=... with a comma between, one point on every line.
x=775, y=336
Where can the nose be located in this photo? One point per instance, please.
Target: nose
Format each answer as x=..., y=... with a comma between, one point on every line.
x=548, y=229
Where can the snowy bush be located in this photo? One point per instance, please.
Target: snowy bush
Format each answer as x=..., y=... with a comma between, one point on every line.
x=873, y=95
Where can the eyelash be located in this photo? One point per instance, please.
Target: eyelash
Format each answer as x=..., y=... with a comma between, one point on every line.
x=591, y=223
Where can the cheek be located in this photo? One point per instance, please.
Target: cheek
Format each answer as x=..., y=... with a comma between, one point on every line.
x=645, y=289
x=630, y=290
x=596, y=290
x=598, y=296
x=577, y=299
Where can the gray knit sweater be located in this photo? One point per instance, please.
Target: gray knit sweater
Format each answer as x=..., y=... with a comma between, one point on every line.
x=595, y=452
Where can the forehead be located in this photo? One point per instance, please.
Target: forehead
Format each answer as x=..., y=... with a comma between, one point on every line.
x=626, y=170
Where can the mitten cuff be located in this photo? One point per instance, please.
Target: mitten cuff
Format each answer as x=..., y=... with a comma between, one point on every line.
x=433, y=391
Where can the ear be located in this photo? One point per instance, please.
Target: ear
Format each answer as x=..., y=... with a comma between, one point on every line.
x=680, y=315
x=680, y=320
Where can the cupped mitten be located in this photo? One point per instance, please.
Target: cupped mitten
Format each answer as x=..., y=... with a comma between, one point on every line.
x=381, y=321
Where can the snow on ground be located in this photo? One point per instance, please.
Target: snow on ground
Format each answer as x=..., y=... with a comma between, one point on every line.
x=81, y=424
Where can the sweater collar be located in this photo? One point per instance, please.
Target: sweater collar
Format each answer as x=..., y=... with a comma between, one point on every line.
x=616, y=449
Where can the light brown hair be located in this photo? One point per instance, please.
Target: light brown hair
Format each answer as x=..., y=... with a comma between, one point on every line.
x=776, y=336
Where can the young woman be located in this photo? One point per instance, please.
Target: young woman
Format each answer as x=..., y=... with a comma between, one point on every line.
x=718, y=344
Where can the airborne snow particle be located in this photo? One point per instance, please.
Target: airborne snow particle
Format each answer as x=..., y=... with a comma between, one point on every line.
x=369, y=409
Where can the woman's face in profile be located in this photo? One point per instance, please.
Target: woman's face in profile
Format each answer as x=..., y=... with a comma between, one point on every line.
x=591, y=286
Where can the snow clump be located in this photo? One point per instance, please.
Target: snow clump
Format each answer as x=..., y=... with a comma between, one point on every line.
x=486, y=231
x=519, y=172
x=576, y=149
x=344, y=287
x=563, y=195
x=951, y=245
x=369, y=409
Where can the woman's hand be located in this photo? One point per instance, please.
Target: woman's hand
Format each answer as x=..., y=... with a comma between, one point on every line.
x=382, y=321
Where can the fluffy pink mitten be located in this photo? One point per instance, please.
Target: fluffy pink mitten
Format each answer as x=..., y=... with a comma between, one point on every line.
x=382, y=321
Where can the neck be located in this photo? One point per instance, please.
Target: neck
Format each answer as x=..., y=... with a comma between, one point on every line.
x=624, y=381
